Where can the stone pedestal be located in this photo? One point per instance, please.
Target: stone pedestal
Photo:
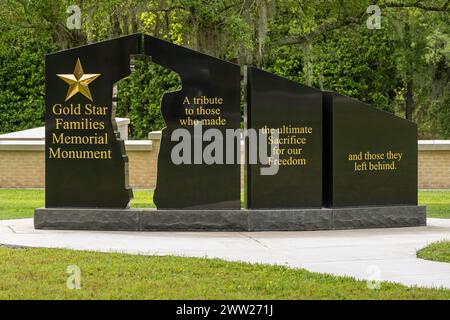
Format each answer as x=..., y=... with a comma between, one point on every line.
x=229, y=220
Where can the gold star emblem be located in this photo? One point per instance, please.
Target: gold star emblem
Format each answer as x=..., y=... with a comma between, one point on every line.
x=78, y=81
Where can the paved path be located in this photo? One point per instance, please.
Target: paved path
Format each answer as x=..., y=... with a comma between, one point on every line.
x=356, y=253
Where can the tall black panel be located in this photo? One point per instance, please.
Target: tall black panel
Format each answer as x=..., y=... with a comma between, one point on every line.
x=86, y=163
x=294, y=111
x=210, y=96
x=370, y=157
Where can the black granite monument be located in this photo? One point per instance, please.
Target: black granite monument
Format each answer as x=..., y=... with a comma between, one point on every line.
x=370, y=156
x=210, y=96
x=294, y=111
x=85, y=161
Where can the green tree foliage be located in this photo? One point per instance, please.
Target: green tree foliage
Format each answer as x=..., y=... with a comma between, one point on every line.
x=139, y=96
x=403, y=67
x=23, y=41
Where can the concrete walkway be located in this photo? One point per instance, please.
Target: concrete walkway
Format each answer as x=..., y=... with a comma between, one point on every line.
x=358, y=253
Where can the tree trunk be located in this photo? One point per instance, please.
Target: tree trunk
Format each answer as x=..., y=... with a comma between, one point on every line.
x=307, y=62
x=409, y=95
x=114, y=29
x=89, y=26
x=441, y=77
x=409, y=102
x=262, y=31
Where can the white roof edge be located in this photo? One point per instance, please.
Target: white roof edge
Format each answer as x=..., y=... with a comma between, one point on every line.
x=123, y=120
x=138, y=145
x=38, y=133
x=434, y=141
x=142, y=145
x=22, y=145
x=39, y=145
x=155, y=135
x=434, y=145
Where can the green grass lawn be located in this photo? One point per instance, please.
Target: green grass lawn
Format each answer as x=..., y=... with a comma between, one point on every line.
x=20, y=203
x=41, y=274
x=437, y=202
x=438, y=251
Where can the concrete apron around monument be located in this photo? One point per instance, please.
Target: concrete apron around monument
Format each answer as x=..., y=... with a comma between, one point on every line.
x=229, y=220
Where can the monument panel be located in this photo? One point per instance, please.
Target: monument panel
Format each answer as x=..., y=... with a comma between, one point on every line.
x=294, y=112
x=209, y=100
x=370, y=155
x=85, y=160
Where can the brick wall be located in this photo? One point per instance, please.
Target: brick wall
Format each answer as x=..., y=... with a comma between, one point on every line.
x=434, y=169
x=22, y=169
x=22, y=164
x=142, y=167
